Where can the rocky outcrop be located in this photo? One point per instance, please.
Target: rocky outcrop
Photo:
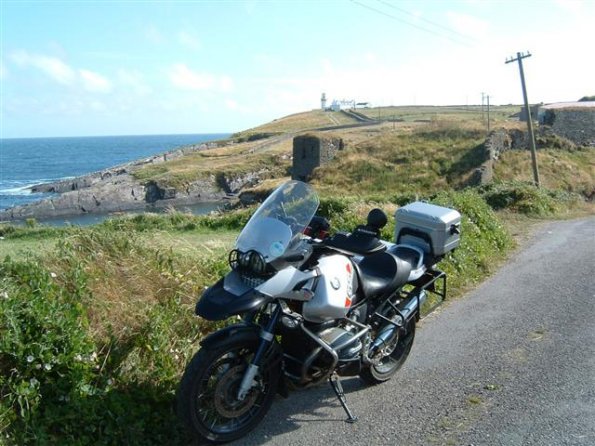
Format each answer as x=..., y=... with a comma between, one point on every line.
x=117, y=190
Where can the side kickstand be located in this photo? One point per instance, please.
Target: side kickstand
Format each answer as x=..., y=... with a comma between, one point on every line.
x=338, y=388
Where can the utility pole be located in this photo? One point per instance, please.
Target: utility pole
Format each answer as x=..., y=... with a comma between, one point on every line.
x=482, y=101
x=519, y=58
x=488, y=114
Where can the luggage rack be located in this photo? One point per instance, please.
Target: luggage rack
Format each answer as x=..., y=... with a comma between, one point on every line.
x=432, y=281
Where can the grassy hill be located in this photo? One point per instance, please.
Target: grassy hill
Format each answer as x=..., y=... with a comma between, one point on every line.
x=429, y=148
x=268, y=148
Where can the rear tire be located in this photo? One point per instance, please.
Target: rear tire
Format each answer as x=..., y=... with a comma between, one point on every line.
x=388, y=366
x=206, y=399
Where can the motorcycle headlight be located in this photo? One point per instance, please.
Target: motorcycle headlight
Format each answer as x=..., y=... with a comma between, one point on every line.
x=250, y=261
x=256, y=262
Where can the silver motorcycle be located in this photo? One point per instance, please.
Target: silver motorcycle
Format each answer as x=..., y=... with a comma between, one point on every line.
x=313, y=308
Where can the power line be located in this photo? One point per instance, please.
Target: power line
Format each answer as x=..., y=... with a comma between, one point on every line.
x=446, y=28
x=386, y=14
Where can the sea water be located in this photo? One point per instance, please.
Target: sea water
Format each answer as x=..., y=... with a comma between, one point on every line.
x=25, y=162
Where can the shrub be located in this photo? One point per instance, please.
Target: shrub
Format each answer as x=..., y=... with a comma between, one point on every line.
x=46, y=355
x=526, y=198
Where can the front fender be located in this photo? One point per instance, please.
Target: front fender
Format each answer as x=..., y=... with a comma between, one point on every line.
x=251, y=331
x=217, y=304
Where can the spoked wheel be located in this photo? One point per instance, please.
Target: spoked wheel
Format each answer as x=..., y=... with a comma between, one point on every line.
x=395, y=357
x=207, y=397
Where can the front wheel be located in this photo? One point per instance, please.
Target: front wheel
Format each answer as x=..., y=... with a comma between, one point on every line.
x=389, y=364
x=207, y=397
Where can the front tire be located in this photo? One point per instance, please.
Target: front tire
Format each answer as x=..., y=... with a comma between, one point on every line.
x=207, y=397
x=388, y=365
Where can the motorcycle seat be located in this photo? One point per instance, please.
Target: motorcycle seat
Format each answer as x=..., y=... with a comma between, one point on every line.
x=363, y=241
x=381, y=273
x=412, y=255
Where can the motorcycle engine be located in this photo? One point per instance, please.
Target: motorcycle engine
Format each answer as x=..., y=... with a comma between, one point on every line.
x=335, y=336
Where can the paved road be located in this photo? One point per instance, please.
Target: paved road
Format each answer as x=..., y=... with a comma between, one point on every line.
x=513, y=363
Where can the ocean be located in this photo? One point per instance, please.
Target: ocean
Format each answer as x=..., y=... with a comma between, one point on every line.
x=25, y=162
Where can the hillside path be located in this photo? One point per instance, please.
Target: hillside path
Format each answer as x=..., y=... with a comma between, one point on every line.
x=511, y=363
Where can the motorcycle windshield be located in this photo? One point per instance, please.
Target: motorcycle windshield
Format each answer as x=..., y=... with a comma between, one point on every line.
x=279, y=221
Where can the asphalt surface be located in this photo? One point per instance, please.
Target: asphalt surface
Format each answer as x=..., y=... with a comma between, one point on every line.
x=511, y=363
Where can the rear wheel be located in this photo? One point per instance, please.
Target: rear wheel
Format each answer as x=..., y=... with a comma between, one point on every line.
x=388, y=365
x=207, y=397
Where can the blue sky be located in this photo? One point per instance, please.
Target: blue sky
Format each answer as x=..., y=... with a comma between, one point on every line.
x=75, y=68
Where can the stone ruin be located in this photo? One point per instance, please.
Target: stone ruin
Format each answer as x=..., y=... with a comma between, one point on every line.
x=310, y=152
x=574, y=123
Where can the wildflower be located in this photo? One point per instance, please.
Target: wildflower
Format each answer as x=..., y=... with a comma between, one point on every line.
x=4, y=294
x=30, y=359
x=53, y=275
x=78, y=358
x=93, y=357
x=110, y=382
x=33, y=382
x=48, y=367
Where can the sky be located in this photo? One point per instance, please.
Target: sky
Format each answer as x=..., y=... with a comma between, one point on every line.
x=82, y=68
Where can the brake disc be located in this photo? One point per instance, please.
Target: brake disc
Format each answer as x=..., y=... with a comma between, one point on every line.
x=226, y=394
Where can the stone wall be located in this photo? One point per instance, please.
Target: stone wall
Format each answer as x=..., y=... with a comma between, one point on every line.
x=575, y=124
x=534, y=111
x=310, y=152
x=501, y=140
x=497, y=142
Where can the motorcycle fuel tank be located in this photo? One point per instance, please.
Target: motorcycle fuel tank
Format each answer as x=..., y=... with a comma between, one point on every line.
x=334, y=292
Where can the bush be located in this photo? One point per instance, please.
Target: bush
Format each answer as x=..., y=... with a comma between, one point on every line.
x=46, y=355
x=484, y=241
x=526, y=198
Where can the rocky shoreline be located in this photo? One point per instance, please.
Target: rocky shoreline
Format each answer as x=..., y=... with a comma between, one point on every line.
x=116, y=190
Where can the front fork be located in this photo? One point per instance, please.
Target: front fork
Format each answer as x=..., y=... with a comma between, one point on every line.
x=266, y=337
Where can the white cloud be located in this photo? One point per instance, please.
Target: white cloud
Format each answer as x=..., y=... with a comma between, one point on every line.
x=189, y=40
x=467, y=24
x=231, y=104
x=94, y=82
x=183, y=77
x=134, y=81
x=98, y=106
x=51, y=66
x=573, y=6
x=153, y=34
x=225, y=83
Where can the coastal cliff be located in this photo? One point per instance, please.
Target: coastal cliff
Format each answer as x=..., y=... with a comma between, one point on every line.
x=118, y=190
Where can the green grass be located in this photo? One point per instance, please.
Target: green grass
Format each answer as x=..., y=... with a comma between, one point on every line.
x=563, y=170
x=424, y=160
x=96, y=332
x=455, y=113
x=209, y=165
x=300, y=122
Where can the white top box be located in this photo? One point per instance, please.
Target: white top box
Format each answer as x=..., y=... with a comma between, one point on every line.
x=435, y=229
